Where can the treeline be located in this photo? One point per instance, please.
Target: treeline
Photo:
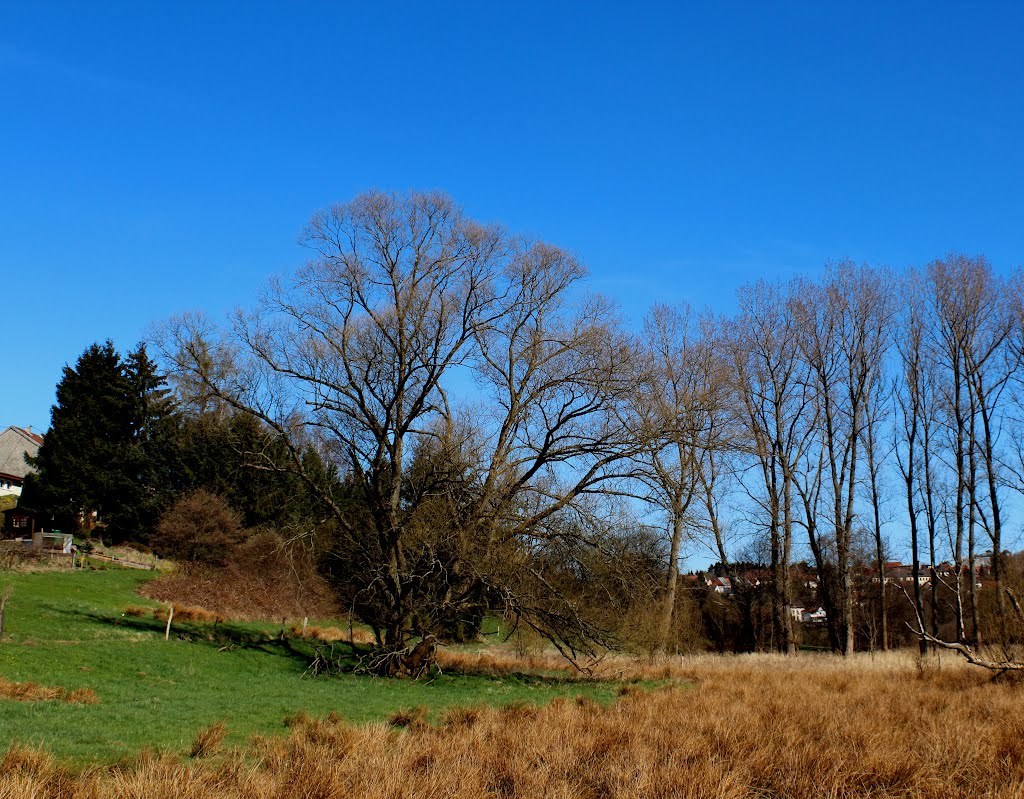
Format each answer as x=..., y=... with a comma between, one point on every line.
x=122, y=448
x=826, y=411
x=464, y=430
x=130, y=458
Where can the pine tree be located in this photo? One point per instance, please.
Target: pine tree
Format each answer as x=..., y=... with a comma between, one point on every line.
x=151, y=471
x=78, y=472
x=110, y=456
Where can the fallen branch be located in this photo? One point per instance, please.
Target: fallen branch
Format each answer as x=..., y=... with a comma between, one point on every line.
x=969, y=654
x=965, y=650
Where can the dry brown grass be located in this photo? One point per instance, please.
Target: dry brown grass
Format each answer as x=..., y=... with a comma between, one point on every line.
x=745, y=727
x=332, y=635
x=186, y=613
x=208, y=741
x=497, y=663
x=259, y=583
x=34, y=692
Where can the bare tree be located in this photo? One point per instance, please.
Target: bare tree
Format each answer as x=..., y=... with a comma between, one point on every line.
x=667, y=471
x=909, y=391
x=683, y=397
x=990, y=364
x=721, y=451
x=768, y=375
x=876, y=451
x=843, y=324
x=358, y=353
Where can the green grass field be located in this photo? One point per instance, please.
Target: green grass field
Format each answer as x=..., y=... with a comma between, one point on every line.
x=67, y=630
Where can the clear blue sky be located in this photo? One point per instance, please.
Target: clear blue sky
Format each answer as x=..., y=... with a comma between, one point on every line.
x=158, y=157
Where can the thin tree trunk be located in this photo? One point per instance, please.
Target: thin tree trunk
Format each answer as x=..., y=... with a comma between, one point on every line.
x=972, y=561
x=788, y=640
x=883, y=612
x=672, y=580
x=996, y=524
x=915, y=562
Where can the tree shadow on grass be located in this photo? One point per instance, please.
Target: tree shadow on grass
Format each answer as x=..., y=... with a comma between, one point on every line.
x=313, y=656
x=227, y=636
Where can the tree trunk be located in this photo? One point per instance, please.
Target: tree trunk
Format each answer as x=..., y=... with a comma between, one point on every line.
x=915, y=562
x=883, y=611
x=668, y=611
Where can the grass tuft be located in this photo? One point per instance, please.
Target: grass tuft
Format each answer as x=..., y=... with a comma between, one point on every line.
x=34, y=692
x=414, y=717
x=208, y=741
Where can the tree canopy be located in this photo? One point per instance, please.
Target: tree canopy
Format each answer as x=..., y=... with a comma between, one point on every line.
x=362, y=353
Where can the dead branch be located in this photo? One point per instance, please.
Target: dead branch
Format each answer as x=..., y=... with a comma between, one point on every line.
x=965, y=650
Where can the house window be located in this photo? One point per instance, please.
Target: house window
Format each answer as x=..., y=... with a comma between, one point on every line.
x=19, y=522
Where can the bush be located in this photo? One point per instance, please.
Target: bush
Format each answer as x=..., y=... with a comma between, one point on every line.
x=200, y=528
x=263, y=577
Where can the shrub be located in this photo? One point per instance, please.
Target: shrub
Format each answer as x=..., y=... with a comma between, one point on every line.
x=262, y=578
x=200, y=528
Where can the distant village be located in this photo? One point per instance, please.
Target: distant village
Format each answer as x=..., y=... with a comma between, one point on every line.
x=805, y=580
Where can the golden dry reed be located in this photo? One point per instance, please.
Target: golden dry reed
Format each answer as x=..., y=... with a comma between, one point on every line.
x=808, y=728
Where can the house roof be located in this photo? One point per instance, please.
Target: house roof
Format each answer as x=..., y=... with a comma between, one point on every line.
x=15, y=443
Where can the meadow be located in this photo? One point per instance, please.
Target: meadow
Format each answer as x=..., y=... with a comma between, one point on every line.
x=702, y=726
x=71, y=631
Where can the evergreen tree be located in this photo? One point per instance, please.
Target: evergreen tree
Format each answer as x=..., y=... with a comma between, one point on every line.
x=151, y=466
x=238, y=458
x=78, y=463
x=110, y=456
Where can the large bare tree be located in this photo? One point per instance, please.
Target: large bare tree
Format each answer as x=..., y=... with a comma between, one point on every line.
x=404, y=304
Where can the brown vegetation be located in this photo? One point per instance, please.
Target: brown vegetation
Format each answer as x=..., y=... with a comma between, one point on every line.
x=496, y=663
x=747, y=727
x=332, y=635
x=184, y=613
x=14, y=556
x=208, y=741
x=34, y=692
x=263, y=578
x=200, y=527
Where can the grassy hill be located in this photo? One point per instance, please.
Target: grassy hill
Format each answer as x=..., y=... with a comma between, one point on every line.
x=70, y=630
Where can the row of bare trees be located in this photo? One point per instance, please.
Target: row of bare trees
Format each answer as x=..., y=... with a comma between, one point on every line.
x=824, y=414
x=485, y=414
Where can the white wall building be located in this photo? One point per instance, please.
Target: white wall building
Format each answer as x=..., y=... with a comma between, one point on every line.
x=15, y=444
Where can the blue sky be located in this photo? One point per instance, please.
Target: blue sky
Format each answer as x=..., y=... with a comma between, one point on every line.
x=160, y=157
